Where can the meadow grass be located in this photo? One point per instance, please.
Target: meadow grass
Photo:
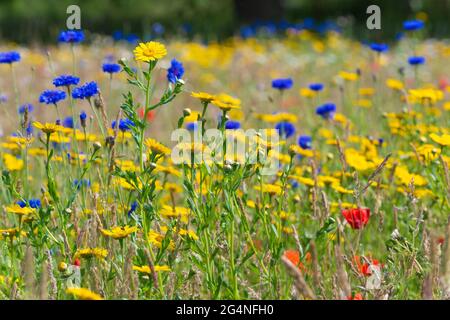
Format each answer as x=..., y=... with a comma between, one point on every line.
x=358, y=209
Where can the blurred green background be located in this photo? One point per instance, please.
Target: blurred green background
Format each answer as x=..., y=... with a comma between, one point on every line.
x=41, y=20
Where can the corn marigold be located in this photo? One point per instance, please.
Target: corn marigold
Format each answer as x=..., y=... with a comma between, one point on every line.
x=149, y=51
x=83, y=294
x=119, y=232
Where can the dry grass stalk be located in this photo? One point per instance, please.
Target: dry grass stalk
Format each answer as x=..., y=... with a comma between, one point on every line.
x=300, y=283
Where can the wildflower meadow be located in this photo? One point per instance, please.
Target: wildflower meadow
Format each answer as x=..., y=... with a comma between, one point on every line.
x=296, y=166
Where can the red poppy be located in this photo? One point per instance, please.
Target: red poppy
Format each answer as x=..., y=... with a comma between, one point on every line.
x=150, y=114
x=364, y=268
x=294, y=257
x=357, y=296
x=356, y=218
x=76, y=262
x=441, y=240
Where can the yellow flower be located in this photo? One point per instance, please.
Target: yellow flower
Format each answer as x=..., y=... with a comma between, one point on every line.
x=157, y=238
x=47, y=128
x=170, y=212
x=226, y=102
x=300, y=151
x=12, y=163
x=427, y=95
x=146, y=269
x=307, y=93
x=271, y=189
x=443, y=140
x=428, y=152
x=173, y=187
x=366, y=91
x=83, y=294
x=15, y=208
x=119, y=232
x=203, y=97
x=363, y=103
x=156, y=147
x=341, y=189
x=91, y=252
x=149, y=51
x=349, y=76
x=405, y=177
x=10, y=233
x=394, y=84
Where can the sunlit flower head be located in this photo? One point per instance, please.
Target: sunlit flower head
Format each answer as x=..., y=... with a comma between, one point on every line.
x=149, y=51
x=119, y=232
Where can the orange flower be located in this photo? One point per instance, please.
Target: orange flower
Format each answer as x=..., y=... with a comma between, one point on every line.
x=357, y=296
x=294, y=257
x=364, y=268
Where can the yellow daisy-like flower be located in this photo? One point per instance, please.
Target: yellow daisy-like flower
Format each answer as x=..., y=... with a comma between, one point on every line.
x=119, y=232
x=395, y=84
x=12, y=163
x=47, y=128
x=443, y=140
x=91, y=252
x=295, y=149
x=149, y=51
x=169, y=212
x=156, y=147
x=83, y=294
x=146, y=269
x=19, y=210
x=348, y=76
x=271, y=189
x=8, y=233
x=203, y=96
x=226, y=102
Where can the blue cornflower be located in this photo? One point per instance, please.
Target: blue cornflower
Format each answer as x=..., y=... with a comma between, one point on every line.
x=416, y=60
x=66, y=80
x=29, y=129
x=86, y=91
x=132, y=208
x=71, y=36
x=413, y=25
x=111, y=68
x=316, y=86
x=84, y=182
x=192, y=126
x=285, y=129
x=326, y=110
x=305, y=142
x=175, y=72
x=52, y=96
x=232, y=125
x=282, y=84
x=158, y=28
x=9, y=57
x=32, y=203
x=21, y=203
x=379, y=47
x=3, y=98
x=83, y=116
x=124, y=124
x=28, y=107
x=68, y=122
